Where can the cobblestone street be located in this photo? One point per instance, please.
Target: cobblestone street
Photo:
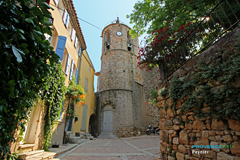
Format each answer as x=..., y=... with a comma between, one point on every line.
x=133, y=148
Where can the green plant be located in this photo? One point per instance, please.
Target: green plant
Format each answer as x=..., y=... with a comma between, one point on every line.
x=52, y=94
x=213, y=85
x=154, y=94
x=164, y=92
x=24, y=52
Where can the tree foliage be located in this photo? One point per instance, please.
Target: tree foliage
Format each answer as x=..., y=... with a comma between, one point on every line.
x=151, y=15
x=23, y=67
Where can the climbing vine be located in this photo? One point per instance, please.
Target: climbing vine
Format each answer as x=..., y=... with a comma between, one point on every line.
x=212, y=90
x=52, y=94
x=24, y=52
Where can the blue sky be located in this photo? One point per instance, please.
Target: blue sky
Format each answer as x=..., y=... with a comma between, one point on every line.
x=100, y=13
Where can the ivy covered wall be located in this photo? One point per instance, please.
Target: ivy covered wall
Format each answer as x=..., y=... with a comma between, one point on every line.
x=199, y=105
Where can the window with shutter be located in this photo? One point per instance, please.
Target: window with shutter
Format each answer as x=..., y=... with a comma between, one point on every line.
x=86, y=84
x=61, y=46
x=71, y=71
x=80, y=51
x=73, y=35
x=68, y=64
x=77, y=76
x=56, y=2
x=84, y=118
x=66, y=18
x=76, y=41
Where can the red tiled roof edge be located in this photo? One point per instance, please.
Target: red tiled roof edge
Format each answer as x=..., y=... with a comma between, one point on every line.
x=78, y=23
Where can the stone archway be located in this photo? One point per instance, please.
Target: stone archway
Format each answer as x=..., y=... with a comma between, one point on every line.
x=107, y=119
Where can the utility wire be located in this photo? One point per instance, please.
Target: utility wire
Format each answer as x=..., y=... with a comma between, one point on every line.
x=87, y=22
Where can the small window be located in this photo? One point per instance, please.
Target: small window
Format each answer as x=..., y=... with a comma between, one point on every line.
x=66, y=18
x=129, y=41
x=89, y=68
x=107, y=39
x=68, y=64
x=73, y=34
x=86, y=85
x=76, y=42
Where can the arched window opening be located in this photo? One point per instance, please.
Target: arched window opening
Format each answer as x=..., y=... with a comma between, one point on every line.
x=107, y=39
x=129, y=41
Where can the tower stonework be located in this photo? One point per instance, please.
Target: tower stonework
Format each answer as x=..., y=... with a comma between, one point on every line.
x=121, y=109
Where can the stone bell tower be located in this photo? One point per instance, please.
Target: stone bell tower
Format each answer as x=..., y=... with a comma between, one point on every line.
x=120, y=105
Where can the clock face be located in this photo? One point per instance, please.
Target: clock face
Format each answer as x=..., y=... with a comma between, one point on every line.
x=119, y=33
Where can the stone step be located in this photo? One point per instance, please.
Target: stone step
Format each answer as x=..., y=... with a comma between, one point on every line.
x=107, y=135
x=31, y=154
x=25, y=148
x=44, y=156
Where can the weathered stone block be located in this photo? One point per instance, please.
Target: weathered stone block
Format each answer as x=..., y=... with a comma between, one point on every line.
x=212, y=138
x=218, y=138
x=202, y=142
x=234, y=125
x=175, y=141
x=182, y=149
x=211, y=154
x=170, y=113
x=170, y=131
x=198, y=135
x=218, y=125
x=163, y=147
x=211, y=133
x=208, y=126
x=198, y=125
x=179, y=104
x=179, y=156
x=161, y=125
x=168, y=124
x=163, y=135
x=205, y=134
x=227, y=138
x=235, y=138
x=236, y=150
x=227, y=132
x=183, y=137
x=224, y=156
x=220, y=133
x=191, y=118
x=174, y=147
x=189, y=126
x=171, y=158
x=176, y=127
x=175, y=121
x=215, y=149
x=162, y=113
x=184, y=117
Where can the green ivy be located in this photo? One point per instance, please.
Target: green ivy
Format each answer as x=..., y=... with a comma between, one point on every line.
x=211, y=85
x=52, y=94
x=24, y=52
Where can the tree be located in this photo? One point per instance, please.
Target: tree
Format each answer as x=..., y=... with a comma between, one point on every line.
x=151, y=15
x=23, y=63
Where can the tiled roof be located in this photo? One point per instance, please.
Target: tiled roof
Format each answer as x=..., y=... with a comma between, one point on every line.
x=74, y=16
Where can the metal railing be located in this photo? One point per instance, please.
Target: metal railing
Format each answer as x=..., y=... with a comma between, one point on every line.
x=222, y=18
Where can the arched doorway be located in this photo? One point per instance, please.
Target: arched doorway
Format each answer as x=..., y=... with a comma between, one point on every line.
x=93, y=125
x=107, y=119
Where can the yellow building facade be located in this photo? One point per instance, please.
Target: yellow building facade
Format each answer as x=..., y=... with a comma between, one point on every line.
x=86, y=80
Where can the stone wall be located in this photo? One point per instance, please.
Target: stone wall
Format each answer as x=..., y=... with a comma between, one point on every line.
x=178, y=138
x=150, y=81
